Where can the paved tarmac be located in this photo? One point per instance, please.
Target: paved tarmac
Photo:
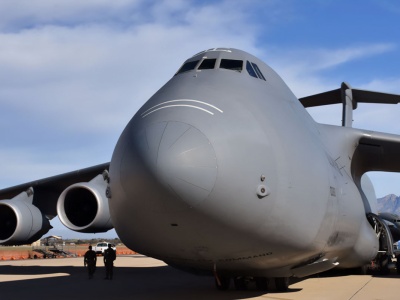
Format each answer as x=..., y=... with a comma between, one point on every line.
x=139, y=277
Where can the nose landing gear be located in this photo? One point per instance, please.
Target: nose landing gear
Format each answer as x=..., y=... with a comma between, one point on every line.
x=222, y=283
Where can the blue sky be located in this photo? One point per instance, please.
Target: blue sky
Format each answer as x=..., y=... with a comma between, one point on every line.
x=72, y=73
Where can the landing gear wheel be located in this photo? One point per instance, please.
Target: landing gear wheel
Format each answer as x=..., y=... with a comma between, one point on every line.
x=398, y=264
x=262, y=283
x=240, y=283
x=282, y=283
x=384, y=265
x=363, y=270
x=384, y=271
x=224, y=283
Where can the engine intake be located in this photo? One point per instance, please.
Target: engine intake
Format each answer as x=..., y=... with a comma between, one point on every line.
x=83, y=207
x=20, y=221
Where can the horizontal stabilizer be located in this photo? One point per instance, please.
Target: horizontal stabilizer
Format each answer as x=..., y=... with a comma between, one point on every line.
x=359, y=96
x=325, y=98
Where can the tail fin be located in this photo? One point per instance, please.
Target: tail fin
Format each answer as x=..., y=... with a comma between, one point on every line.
x=350, y=98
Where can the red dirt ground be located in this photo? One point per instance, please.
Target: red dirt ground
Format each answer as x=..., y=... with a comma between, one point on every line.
x=25, y=252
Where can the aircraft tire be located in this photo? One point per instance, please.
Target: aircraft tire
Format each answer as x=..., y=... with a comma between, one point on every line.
x=262, y=283
x=282, y=283
x=398, y=264
x=363, y=270
x=384, y=271
x=225, y=282
x=384, y=265
x=240, y=283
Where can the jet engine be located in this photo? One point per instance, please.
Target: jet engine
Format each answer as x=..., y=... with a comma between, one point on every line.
x=83, y=207
x=20, y=221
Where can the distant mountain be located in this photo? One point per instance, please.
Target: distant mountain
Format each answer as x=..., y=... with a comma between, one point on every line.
x=389, y=203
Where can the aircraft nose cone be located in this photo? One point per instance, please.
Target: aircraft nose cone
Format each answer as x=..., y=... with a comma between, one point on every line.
x=179, y=157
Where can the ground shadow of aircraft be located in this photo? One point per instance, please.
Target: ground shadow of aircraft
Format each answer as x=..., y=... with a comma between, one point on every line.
x=161, y=282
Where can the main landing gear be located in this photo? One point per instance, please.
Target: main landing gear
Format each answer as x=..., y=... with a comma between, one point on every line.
x=383, y=261
x=282, y=283
x=241, y=283
x=222, y=283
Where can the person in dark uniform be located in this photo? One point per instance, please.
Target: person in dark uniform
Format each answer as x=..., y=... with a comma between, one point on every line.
x=109, y=257
x=90, y=260
x=398, y=263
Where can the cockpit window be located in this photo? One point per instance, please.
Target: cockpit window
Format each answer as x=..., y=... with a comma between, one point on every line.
x=260, y=75
x=207, y=64
x=231, y=64
x=250, y=70
x=190, y=65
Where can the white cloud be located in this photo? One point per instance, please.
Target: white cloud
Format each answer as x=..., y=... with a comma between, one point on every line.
x=385, y=183
x=386, y=85
x=20, y=164
x=324, y=58
x=302, y=69
x=69, y=89
x=312, y=71
x=55, y=72
x=16, y=15
x=77, y=71
x=74, y=73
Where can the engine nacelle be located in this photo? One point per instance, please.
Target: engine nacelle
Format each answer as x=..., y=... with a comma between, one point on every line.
x=83, y=207
x=20, y=221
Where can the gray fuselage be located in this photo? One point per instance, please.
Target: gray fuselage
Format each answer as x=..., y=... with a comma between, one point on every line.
x=221, y=170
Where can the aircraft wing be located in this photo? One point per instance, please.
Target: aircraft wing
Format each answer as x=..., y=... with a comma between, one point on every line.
x=377, y=151
x=48, y=190
x=78, y=198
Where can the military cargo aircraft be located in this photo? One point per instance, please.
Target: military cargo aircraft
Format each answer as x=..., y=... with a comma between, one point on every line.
x=224, y=172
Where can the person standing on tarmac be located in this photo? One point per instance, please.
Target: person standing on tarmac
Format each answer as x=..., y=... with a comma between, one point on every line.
x=109, y=257
x=90, y=260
